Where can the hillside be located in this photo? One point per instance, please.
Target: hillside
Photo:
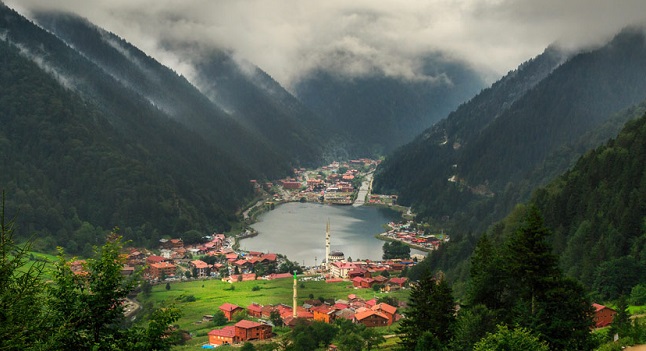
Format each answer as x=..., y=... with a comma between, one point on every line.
x=156, y=86
x=381, y=113
x=597, y=210
x=527, y=128
x=82, y=154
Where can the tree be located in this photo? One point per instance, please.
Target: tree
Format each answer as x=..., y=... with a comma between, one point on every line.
x=431, y=308
x=219, y=319
x=517, y=339
x=146, y=287
x=247, y=346
x=167, y=286
x=21, y=292
x=473, y=324
x=87, y=309
x=395, y=249
x=275, y=318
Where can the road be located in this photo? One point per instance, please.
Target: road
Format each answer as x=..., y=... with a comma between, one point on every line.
x=366, y=187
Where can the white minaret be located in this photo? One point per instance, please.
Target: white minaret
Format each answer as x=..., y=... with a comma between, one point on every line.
x=327, y=245
x=294, y=312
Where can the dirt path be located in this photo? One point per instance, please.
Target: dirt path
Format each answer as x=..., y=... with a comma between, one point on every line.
x=636, y=348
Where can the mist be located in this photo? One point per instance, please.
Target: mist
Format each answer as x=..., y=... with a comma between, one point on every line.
x=290, y=38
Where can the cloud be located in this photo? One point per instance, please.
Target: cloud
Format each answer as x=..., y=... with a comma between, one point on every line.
x=289, y=38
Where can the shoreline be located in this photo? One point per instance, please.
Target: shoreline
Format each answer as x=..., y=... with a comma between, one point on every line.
x=383, y=237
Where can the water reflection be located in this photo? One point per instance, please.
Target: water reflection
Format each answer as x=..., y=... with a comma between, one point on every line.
x=298, y=231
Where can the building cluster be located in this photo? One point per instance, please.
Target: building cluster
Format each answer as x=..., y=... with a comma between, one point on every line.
x=331, y=184
x=369, y=313
x=408, y=234
x=176, y=258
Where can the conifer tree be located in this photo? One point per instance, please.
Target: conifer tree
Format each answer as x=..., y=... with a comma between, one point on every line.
x=431, y=309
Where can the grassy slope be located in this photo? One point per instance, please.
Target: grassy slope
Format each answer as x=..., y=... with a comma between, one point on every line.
x=210, y=294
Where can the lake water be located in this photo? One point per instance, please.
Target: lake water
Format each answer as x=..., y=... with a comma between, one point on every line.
x=297, y=230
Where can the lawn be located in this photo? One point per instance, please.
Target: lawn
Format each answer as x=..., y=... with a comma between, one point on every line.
x=210, y=294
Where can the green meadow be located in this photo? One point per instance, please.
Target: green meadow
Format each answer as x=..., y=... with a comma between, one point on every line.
x=208, y=295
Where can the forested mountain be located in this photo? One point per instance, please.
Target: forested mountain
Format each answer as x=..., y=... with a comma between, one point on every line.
x=154, y=84
x=381, y=113
x=597, y=211
x=85, y=149
x=488, y=155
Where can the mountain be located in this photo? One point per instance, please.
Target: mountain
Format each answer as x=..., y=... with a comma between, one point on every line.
x=89, y=144
x=597, y=210
x=381, y=113
x=262, y=105
x=140, y=75
x=470, y=169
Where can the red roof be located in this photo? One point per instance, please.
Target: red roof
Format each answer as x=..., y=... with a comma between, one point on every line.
x=598, y=307
x=245, y=324
x=228, y=331
x=398, y=281
x=229, y=307
x=365, y=314
x=199, y=264
x=386, y=308
x=255, y=307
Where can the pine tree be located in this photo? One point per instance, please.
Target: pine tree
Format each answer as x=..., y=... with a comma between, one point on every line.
x=431, y=309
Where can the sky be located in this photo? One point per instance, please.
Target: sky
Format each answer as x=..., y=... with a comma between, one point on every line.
x=291, y=38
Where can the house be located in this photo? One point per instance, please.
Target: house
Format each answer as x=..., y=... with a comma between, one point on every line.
x=356, y=282
x=603, y=315
x=396, y=283
x=247, y=330
x=226, y=335
x=371, y=318
x=229, y=309
x=161, y=269
x=387, y=310
x=367, y=282
x=154, y=259
x=254, y=310
x=324, y=313
x=200, y=267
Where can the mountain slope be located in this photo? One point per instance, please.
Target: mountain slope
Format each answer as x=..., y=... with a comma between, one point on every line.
x=495, y=166
x=141, y=78
x=381, y=113
x=597, y=209
x=70, y=167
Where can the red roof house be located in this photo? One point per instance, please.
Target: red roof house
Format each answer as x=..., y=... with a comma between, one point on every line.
x=247, y=330
x=226, y=335
x=229, y=309
x=603, y=315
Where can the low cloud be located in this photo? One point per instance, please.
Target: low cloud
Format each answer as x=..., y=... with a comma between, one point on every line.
x=289, y=38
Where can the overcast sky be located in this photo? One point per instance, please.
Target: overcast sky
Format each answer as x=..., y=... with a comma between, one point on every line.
x=289, y=38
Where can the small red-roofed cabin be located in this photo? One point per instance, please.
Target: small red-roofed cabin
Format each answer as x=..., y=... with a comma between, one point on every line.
x=247, y=330
x=229, y=309
x=371, y=318
x=226, y=335
x=387, y=310
x=323, y=313
x=603, y=315
x=254, y=310
x=356, y=282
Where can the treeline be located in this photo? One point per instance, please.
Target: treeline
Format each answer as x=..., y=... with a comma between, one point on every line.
x=517, y=298
x=82, y=310
x=596, y=214
x=64, y=164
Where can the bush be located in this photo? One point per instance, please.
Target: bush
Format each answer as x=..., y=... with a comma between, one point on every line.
x=638, y=295
x=255, y=288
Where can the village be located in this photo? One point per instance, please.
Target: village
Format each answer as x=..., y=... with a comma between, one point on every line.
x=217, y=260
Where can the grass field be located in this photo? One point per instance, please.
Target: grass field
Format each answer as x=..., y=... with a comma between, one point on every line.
x=210, y=294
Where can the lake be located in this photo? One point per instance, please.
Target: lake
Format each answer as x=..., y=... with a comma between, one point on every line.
x=297, y=230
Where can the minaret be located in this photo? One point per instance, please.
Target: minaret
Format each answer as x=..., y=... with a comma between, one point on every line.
x=327, y=246
x=294, y=314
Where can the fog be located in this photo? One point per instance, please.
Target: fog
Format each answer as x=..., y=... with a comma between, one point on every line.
x=290, y=38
